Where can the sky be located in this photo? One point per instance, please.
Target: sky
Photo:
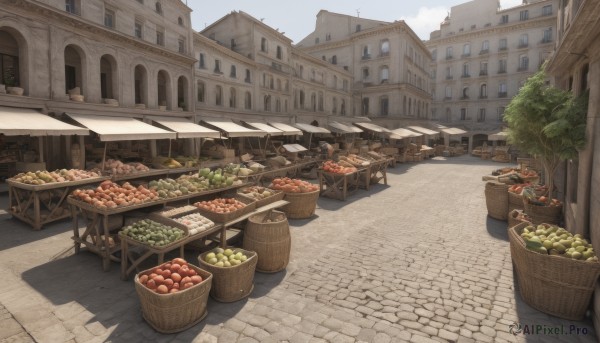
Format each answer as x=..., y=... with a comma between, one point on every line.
x=298, y=20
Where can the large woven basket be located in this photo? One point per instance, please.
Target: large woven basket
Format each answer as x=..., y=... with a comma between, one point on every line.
x=301, y=205
x=277, y=195
x=175, y=312
x=513, y=220
x=515, y=201
x=496, y=199
x=232, y=283
x=555, y=285
x=543, y=214
x=270, y=240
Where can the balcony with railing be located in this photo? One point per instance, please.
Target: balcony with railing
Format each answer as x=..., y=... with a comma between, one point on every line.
x=523, y=45
x=502, y=48
x=483, y=73
x=484, y=51
x=465, y=76
x=502, y=94
x=366, y=57
x=502, y=71
x=449, y=57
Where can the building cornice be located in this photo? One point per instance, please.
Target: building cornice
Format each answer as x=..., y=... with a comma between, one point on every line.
x=493, y=30
x=303, y=55
x=212, y=45
x=82, y=26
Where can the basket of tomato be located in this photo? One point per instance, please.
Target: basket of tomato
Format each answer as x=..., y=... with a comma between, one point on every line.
x=222, y=210
x=301, y=195
x=173, y=295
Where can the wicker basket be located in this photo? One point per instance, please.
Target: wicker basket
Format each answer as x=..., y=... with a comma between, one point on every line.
x=542, y=214
x=555, y=285
x=232, y=283
x=496, y=200
x=175, y=312
x=277, y=195
x=301, y=205
x=271, y=241
x=226, y=217
x=513, y=220
x=515, y=201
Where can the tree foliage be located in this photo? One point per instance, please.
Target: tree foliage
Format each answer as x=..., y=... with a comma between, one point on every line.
x=547, y=122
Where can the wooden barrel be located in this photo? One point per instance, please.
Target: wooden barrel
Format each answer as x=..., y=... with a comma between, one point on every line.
x=268, y=234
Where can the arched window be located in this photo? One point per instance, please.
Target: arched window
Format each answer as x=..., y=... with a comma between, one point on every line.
x=313, y=102
x=334, y=105
x=248, y=101
x=466, y=70
x=335, y=82
x=200, y=86
x=109, y=84
x=164, y=89
x=233, y=72
x=12, y=73
x=385, y=47
x=267, y=105
x=180, y=21
x=465, y=93
x=301, y=72
x=74, y=69
x=182, y=93
x=384, y=105
x=365, y=106
x=263, y=45
x=140, y=83
x=320, y=101
x=277, y=105
x=334, y=59
x=343, y=107
x=158, y=7
x=385, y=74
x=301, y=99
x=467, y=49
x=218, y=96
x=483, y=91
x=232, y=98
x=279, y=52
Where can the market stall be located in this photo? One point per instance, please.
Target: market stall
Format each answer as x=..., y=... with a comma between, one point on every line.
x=346, y=133
x=500, y=153
x=448, y=133
x=37, y=198
x=338, y=182
x=271, y=132
x=230, y=129
x=311, y=130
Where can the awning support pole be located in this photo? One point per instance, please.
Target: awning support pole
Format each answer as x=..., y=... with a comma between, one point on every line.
x=104, y=155
x=169, y=148
x=41, y=147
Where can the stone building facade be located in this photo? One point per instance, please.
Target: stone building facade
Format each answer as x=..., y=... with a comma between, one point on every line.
x=281, y=81
x=390, y=65
x=575, y=66
x=481, y=56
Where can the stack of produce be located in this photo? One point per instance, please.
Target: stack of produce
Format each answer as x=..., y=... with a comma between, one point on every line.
x=59, y=175
x=553, y=240
x=332, y=167
x=257, y=192
x=171, y=277
x=293, y=185
x=195, y=223
x=152, y=233
x=165, y=162
x=225, y=258
x=518, y=188
x=221, y=205
x=216, y=179
x=535, y=199
x=354, y=161
x=116, y=167
x=168, y=188
x=111, y=195
x=188, y=161
x=174, y=212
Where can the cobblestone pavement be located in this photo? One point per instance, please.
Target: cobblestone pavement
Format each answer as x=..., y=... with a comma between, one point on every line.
x=415, y=261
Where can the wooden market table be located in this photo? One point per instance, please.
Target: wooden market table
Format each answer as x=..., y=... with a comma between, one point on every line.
x=38, y=205
x=375, y=172
x=221, y=228
x=154, y=172
x=337, y=186
x=292, y=169
x=96, y=236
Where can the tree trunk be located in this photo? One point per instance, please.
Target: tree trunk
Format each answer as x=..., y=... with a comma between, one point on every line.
x=550, y=167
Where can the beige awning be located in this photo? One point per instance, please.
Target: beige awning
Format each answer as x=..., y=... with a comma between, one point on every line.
x=453, y=131
x=423, y=130
x=26, y=121
x=404, y=133
x=121, y=128
x=343, y=128
x=287, y=129
x=311, y=128
x=232, y=129
x=266, y=128
x=186, y=128
x=372, y=127
x=498, y=136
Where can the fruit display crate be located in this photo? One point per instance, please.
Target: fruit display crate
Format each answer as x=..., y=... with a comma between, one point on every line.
x=338, y=186
x=277, y=195
x=227, y=217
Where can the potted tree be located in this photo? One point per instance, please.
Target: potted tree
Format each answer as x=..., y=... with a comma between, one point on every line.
x=10, y=80
x=550, y=123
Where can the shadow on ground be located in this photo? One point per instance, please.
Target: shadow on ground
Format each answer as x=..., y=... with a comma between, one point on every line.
x=497, y=228
x=78, y=280
x=15, y=232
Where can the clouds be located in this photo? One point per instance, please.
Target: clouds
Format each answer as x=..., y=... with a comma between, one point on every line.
x=426, y=20
x=510, y=3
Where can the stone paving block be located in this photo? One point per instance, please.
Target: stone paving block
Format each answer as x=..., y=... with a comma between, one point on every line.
x=300, y=337
x=21, y=337
x=10, y=327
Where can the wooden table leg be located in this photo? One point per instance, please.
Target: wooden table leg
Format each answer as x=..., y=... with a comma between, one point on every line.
x=124, y=260
x=345, y=187
x=36, y=212
x=224, y=237
x=106, y=254
x=75, y=224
